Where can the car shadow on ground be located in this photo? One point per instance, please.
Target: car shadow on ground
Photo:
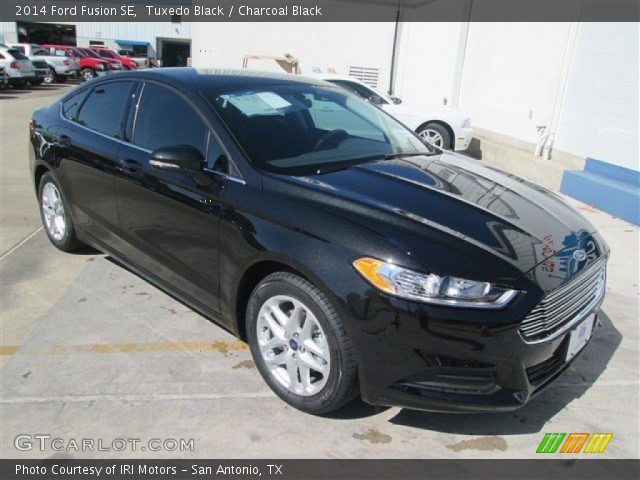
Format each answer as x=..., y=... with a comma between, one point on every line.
x=532, y=417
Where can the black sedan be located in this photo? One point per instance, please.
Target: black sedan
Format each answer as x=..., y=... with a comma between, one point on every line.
x=351, y=256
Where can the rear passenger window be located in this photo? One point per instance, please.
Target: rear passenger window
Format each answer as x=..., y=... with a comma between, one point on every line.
x=72, y=104
x=164, y=119
x=104, y=108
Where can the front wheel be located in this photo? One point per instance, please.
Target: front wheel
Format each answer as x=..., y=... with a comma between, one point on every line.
x=55, y=214
x=435, y=134
x=299, y=344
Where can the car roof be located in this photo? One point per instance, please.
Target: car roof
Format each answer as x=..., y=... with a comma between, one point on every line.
x=205, y=79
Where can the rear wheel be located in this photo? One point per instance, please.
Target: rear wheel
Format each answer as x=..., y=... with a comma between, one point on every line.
x=50, y=77
x=55, y=215
x=299, y=344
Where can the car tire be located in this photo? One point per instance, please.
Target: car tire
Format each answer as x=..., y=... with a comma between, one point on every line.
x=324, y=344
x=87, y=74
x=61, y=231
x=436, y=134
x=50, y=77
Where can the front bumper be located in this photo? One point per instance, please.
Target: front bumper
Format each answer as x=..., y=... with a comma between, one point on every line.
x=438, y=359
x=463, y=138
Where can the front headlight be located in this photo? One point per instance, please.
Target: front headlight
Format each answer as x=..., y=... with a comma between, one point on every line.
x=430, y=288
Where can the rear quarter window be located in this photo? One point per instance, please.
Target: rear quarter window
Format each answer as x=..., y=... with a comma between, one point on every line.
x=71, y=105
x=104, y=108
x=17, y=54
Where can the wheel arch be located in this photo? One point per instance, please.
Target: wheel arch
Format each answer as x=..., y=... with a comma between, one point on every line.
x=37, y=175
x=254, y=273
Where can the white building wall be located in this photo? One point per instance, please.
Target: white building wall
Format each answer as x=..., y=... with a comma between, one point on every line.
x=511, y=75
x=600, y=114
x=427, y=62
x=316, y=45
x=143, y=31
x=8, y=32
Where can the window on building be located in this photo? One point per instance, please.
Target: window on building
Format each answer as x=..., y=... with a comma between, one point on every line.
x=155, y=128
x=104, y=109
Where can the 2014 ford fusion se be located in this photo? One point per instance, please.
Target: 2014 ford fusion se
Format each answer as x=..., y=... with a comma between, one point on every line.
x=352, y=257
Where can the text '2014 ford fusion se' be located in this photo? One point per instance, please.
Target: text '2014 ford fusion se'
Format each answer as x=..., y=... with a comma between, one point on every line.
x=351, y=256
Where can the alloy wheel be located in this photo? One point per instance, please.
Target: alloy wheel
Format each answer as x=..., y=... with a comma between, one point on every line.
x=87, y=74
x=293, y=345
x=432, y=137
x=50, y=77
x=53, y=212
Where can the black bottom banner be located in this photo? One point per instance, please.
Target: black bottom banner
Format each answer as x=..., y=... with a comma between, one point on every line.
x=71, y=469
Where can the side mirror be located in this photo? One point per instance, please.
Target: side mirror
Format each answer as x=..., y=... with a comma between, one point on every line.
x=177, y=158
x=376, y=100
x=396, y=100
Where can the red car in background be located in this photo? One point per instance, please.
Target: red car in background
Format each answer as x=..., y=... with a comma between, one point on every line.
x=90, y=66
x=113, y=64
x=105, y=52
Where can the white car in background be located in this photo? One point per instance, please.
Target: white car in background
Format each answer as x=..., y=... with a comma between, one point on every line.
x=443, y=127
x=18, y=68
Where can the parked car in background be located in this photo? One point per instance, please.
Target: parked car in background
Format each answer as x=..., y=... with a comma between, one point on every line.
x=4, y=78
x=18, y=67
x=104, y=52
x=443, y=127
x=41, y=69
x=90, y=66
x=141, y=60
x=113, y=65
x=61, y=66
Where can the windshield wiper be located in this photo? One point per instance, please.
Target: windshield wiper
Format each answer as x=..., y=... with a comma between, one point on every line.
x=391, y=156
x=321, y=171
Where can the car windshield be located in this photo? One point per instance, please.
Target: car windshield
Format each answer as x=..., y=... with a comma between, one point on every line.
x=77, y=53
x=301, y=129
x=90, y=53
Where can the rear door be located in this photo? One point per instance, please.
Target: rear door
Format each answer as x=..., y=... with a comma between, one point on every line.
x=170, y=222
x=88, y=142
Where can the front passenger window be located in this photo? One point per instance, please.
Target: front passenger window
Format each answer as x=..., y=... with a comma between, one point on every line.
x=164, y=119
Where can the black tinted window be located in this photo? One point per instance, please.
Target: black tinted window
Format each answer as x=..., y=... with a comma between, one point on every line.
x=17, y=54
x=71, y=105
x=164, y=119
x=104, y=108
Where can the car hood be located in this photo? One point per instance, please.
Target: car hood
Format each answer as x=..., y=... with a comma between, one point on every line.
x=461, y=199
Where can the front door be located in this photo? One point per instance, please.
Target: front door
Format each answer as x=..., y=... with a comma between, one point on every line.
x=169, y=221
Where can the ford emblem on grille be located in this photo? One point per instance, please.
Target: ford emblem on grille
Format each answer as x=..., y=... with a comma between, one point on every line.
x=579, y=255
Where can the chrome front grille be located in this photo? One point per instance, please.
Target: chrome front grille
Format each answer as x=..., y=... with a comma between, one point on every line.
x=565, y=306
